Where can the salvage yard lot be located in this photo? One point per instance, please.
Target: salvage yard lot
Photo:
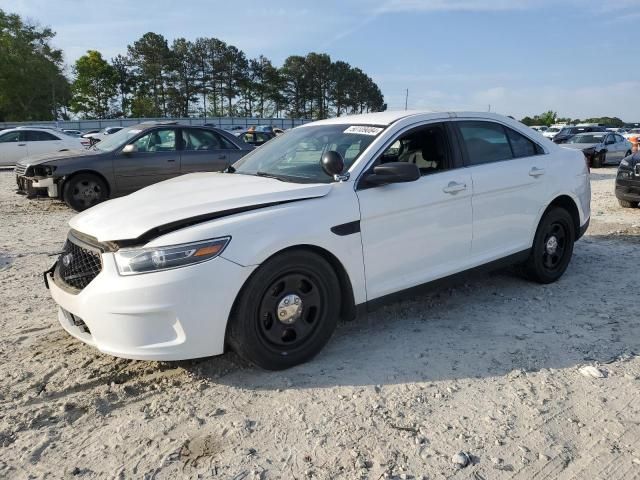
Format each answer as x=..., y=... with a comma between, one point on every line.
x=488, y=367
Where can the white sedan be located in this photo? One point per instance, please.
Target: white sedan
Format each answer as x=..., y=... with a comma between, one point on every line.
x=316, y=225
x=17, y=143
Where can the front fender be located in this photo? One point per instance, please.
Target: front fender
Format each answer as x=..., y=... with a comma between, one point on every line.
x=259, y=234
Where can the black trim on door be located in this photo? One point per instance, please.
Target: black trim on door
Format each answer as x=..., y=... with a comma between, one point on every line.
x=507, y=261
x=347, y=228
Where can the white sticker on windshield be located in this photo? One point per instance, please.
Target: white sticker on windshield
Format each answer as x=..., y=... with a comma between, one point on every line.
x=363, y=130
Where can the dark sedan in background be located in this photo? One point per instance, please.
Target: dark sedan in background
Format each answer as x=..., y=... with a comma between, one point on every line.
x=628, y=181
x=128, y=160
x=567, y=132
x=255, y=137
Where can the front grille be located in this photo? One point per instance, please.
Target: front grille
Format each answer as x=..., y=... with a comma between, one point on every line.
x=79, y=263
x=21, y=169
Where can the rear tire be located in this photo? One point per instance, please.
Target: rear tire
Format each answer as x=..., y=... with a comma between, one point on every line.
x=552, y=247
x=83, y=191
x=627, y=204
x=286, y=312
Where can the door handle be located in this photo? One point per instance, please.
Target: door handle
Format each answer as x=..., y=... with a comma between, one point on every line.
x=222, y=157
x=171, y=161
x=454, y=187
x=22, y=144
x=536, y=172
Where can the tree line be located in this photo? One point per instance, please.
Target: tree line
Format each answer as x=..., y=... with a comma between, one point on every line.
x=550, y=117
x=204, y=77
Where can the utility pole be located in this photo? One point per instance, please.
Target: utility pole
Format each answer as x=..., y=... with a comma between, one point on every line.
x=406, y=98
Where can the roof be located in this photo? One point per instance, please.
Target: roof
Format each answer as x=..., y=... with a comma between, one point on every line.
x=389, y=117
x=377, y=118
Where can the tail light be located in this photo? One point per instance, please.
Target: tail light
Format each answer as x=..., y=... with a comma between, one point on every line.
x=588, y=163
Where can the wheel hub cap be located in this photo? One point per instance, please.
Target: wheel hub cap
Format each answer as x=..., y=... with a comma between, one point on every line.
x=289, y=308
x=552, y=245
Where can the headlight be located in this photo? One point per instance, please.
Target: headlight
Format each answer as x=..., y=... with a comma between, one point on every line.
x=624, y=163
x=132, y=261
x=43, y=170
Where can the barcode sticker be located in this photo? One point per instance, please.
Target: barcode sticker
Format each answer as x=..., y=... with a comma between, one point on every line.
x=363, y=130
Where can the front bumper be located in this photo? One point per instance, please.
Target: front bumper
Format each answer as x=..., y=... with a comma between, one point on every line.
x=171, y=315
x=33, y=186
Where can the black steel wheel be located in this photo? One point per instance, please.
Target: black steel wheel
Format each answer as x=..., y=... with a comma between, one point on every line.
x=84, y=190
x=552, y=247
x=286, y=312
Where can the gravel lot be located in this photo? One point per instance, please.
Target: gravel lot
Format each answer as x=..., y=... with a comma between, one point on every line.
x=490, y=367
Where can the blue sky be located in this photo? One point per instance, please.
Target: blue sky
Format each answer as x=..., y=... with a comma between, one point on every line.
x=578, y=57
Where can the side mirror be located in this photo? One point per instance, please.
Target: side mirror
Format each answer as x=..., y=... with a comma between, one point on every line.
x=130, y=148
x=393, y=172
x=332, y=163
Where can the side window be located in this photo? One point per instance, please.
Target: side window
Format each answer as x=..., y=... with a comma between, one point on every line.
x=163, y=140
x=521, y=145
x=248, y=137
x=197, y=139
x=619, y=138
x=10, y=137
x=261, y=137
x=40, y=136
x=485, y=142
x=427, y=147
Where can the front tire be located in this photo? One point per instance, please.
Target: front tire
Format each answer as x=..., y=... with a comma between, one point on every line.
x=286, y=312
x=552, y=247
x=83, y=191
x=627, y=204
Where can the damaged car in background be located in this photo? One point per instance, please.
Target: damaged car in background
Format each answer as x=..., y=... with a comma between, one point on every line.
x=600, y=148
x=126, y=161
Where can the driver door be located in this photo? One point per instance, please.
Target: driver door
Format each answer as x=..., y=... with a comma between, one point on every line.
x=157, y=158
x=419, y=231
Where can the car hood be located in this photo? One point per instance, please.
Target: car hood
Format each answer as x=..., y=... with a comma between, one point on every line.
x=580, y=146
x=196, y=196
x=53, y=156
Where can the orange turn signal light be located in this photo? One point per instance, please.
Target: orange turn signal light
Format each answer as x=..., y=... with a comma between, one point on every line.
x=208, y=250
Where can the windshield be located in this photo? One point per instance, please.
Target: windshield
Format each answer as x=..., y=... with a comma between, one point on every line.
x=295, y=156
x=115, y=140
x=587, y=138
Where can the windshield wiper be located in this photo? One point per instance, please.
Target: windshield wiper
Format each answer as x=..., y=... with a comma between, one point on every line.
x=268, y=175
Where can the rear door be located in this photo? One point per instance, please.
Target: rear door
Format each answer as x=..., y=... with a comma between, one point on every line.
x=418, y=231
x=13, y=147
x=205, y=150
x=39, y=141
x=509, y=187
x=157, y=158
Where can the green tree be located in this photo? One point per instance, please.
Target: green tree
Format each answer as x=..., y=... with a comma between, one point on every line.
x=32, y=84
x=183, y=72
x=149, y=58
x=95, y=86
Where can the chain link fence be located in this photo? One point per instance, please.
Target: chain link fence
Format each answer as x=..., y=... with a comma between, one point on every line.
x=220, y=122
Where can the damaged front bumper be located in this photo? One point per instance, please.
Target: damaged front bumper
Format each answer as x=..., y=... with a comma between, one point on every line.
x=33, y=186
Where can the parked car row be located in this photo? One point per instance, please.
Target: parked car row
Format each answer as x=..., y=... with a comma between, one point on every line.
x=126, y=161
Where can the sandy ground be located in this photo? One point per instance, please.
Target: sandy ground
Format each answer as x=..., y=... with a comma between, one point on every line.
x=489, y=367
